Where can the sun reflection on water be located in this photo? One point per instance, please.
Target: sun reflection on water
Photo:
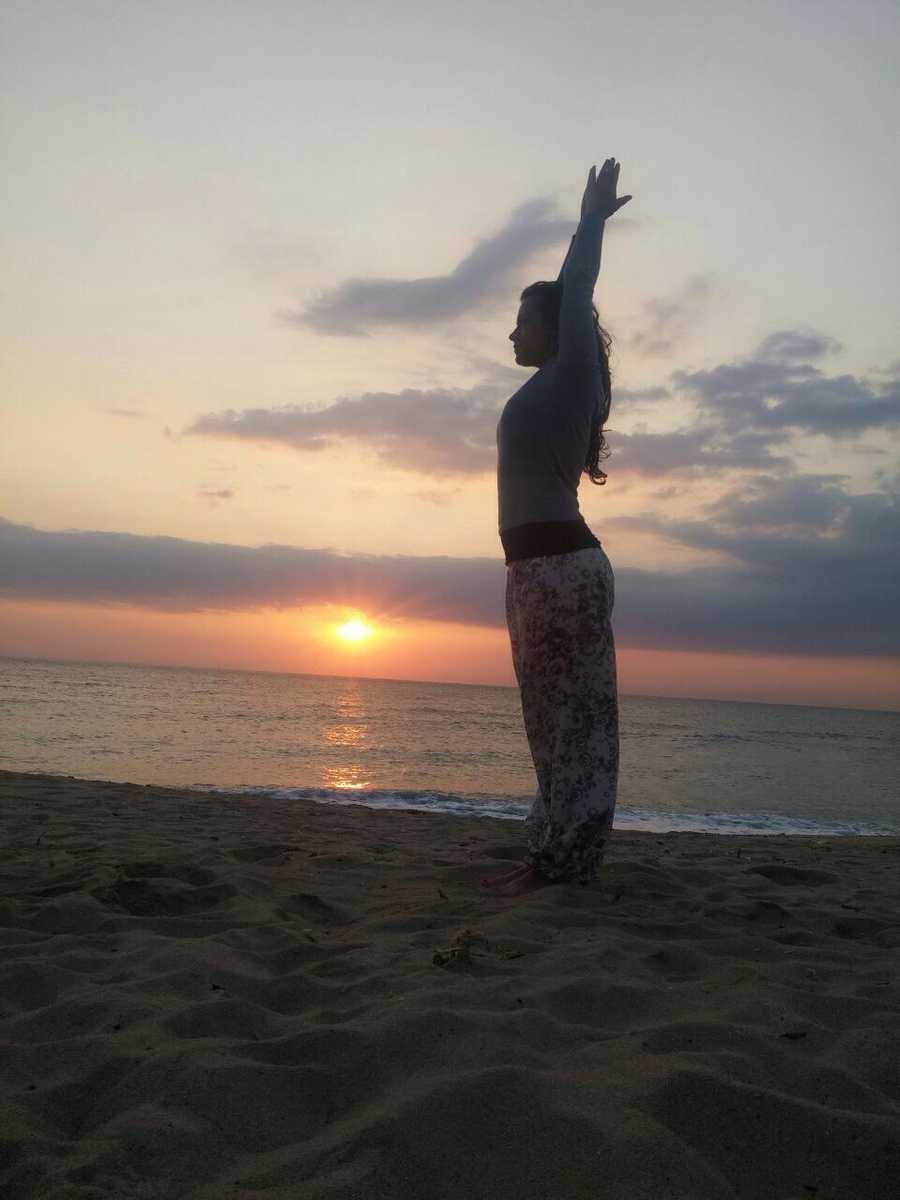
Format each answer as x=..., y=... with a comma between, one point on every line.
x=348, y=733
x=346, y=778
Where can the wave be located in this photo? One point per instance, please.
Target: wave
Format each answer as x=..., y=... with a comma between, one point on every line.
x=515, y=808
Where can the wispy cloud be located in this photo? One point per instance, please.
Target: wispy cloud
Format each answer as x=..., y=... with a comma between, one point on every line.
x=747, y=412
x=439, y=498
x=216, y=494
x=269, y=256
x=635, y=399
x=790, y=345
x=666, y=319
x=824, y=586
x=704, y=449
x=443, y=431
x=483, y=276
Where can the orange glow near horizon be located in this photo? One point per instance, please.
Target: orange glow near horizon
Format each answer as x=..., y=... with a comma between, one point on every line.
x=305, y=642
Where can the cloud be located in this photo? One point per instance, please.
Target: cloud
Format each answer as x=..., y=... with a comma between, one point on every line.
x=484, y=275
x=666, y=319
x=811, y=502
x=824, y=589
x=750, y=409
x=175, y=575
x=786, y=345
x=816, y=569
x=690, y=452
x=220, y=494
x=442, y=431
x=774, y=390
x=439, y=498
x=638, y=398
x=747, y=412
x=132, y=413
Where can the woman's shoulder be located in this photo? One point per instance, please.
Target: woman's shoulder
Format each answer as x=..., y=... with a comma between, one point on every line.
x=569, y=371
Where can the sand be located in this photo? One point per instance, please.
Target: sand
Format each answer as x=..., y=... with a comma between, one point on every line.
x=212, y=996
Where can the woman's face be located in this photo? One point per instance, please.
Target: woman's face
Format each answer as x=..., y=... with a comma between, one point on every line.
x=530, y=338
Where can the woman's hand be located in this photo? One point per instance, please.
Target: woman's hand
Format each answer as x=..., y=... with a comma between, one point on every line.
x=600, y=193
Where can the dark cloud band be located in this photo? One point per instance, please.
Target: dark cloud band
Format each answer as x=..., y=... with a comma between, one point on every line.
x=821, y=594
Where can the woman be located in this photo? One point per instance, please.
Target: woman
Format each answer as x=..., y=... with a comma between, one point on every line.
x=559, y=586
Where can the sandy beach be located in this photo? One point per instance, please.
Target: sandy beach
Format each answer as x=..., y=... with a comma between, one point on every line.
x=211, y=995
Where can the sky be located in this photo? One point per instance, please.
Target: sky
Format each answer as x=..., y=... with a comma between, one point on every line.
x=260, y=265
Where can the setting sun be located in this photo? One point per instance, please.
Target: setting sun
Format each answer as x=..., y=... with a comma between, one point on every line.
x=354, y=631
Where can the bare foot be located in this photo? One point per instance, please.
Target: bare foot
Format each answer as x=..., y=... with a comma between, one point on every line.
x=497, y=880
x=530, y=881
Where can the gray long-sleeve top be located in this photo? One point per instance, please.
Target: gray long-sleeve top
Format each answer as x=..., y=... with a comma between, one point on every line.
x=543, y=434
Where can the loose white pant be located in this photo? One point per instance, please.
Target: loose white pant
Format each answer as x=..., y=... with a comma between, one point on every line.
x=558, y=610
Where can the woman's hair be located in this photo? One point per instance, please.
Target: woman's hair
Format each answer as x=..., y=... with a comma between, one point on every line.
x=549, y=299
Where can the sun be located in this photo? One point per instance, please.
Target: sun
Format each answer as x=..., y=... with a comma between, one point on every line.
x=354, y=631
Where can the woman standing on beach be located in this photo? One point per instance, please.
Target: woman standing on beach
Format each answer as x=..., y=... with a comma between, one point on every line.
x=559, y=583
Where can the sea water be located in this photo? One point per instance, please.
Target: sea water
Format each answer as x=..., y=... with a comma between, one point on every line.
x=705, y=765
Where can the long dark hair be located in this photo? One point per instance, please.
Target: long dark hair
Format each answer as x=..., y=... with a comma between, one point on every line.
x=549, y=299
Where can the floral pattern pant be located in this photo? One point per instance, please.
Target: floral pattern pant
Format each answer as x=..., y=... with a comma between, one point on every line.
x=558, y=610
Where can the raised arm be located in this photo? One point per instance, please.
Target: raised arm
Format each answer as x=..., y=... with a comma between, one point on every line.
x=577, y=338
x=559, y=277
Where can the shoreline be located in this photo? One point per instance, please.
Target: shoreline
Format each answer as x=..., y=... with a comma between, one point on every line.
x=213, y=993
x=278, y=794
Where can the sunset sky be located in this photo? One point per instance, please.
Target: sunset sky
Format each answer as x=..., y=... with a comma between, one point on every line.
x=260, y=264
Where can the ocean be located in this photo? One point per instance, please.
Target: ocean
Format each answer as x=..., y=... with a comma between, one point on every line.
x=704, y=765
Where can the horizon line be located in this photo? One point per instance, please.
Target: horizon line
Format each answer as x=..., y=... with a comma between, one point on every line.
x=105, y=662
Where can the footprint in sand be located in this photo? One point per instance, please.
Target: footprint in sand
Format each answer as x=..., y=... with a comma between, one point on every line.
x=163, y=891
x=793, y=876
x=252, y=854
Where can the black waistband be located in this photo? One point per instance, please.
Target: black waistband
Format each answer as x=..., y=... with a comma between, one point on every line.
x=544, y=538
